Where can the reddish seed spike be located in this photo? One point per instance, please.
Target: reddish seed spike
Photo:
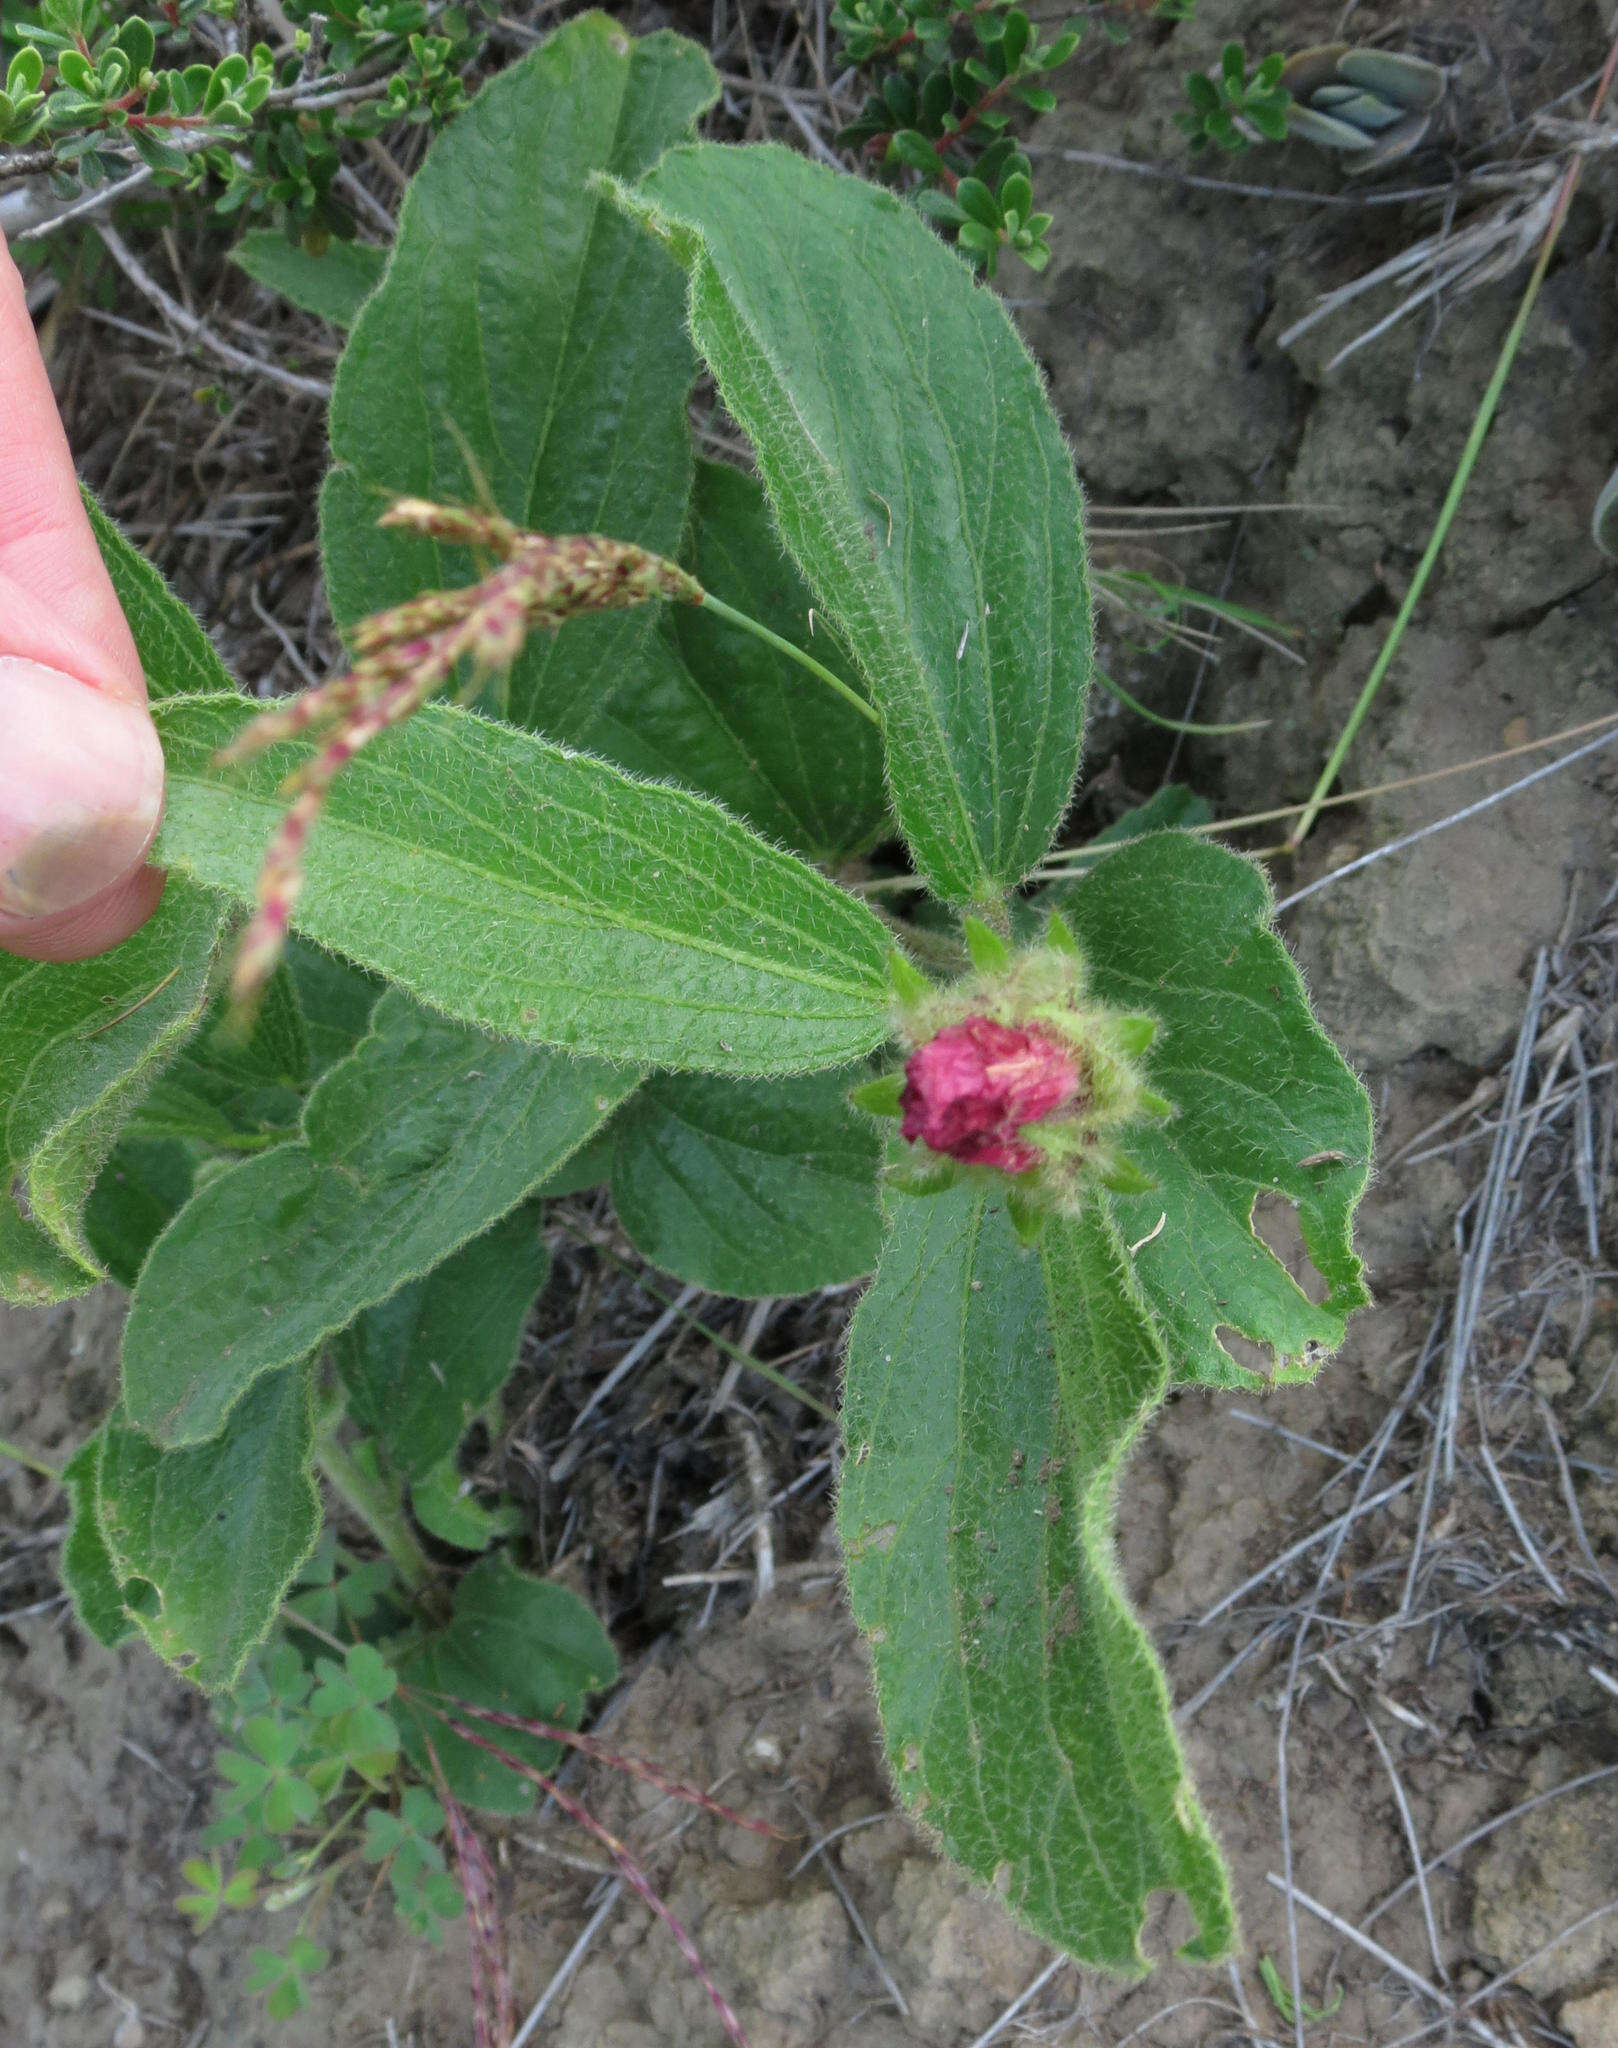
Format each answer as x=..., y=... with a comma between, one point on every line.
x=458, y=525
x=631, y=1766
x=406, y=654
x=633, y=1873
x=487, y=1948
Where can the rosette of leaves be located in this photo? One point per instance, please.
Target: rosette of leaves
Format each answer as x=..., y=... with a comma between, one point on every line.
x=1235, y=106
x=596, y=928
x=1371, y=106
x=940, y=115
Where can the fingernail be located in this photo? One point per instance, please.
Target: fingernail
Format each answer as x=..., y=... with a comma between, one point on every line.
x=81, y=788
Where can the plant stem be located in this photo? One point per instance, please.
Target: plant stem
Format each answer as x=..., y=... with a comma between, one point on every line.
x=1462, y=477
x=16, y=1452
x=1106, y=683
x=721, y=610
x=378, y=1506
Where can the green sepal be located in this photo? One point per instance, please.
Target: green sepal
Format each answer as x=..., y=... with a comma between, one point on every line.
x=1123, y=1177
x=1027, y=1215
x=990, y=953
x=1059, y=934
x=879, y=1097
x=1134, y=1034
x=908, y=982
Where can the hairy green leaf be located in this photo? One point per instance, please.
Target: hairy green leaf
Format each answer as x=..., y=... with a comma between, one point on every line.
x=137, y=1194
x=336, y=1000
x=333, y=285
x=752, y=1187
x=87, y=1569
x=991, y=1395
x=545, y=895
x=79, y=1043
x=237, y=1094
x=519, y=1645
x=917, y=473
x=421, y=1364
x=523, y=316
x=1266, y=1107
x=176, y=654
x=207, y=1539
x=423, y=1138
x=807, y=769
x=444, y=1504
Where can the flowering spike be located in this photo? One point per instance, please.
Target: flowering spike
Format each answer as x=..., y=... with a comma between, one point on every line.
x=464, y=526
x=617, y=1760
x=407, y=654
x=630, y=1869
x=1016, y=1071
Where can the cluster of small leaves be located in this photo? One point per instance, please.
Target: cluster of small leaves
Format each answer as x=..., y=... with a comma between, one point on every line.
x=314, y=1782
x=1236, y=105
x=947, y=81
x=256, y=131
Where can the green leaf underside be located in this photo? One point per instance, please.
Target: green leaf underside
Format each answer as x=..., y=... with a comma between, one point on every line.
x=523, y=312
x=176, y=654
x=544, y=895
x=991, y=1394
x=753, y=1187
x=79, y=1043
x=137, y=1194
x=1181, y=929
x=421, y=1364
x=87, y=1569
x=422, y=1139
x=335, y=1000
x=809, y=767
x=232, y=1093
x=877, y=381
x=1173, y=806
x=333, y=285
x=208, y=1539
x=519, y=1645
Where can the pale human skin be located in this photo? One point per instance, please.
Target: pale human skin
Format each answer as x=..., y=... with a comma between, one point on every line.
x=81, y=771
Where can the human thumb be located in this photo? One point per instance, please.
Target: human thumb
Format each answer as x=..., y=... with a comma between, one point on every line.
x=81, y=792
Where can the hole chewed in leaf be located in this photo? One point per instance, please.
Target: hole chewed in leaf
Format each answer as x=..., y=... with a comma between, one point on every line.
x=1274, y=1222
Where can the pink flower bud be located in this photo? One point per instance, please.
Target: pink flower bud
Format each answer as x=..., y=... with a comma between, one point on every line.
x=970, y=1090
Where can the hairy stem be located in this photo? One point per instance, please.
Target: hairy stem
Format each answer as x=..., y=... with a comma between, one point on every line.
x=721, y=610
x=16, y=1452
x=379, y=1506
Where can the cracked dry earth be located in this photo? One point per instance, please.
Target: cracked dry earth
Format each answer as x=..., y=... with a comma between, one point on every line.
x=1158, y=322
